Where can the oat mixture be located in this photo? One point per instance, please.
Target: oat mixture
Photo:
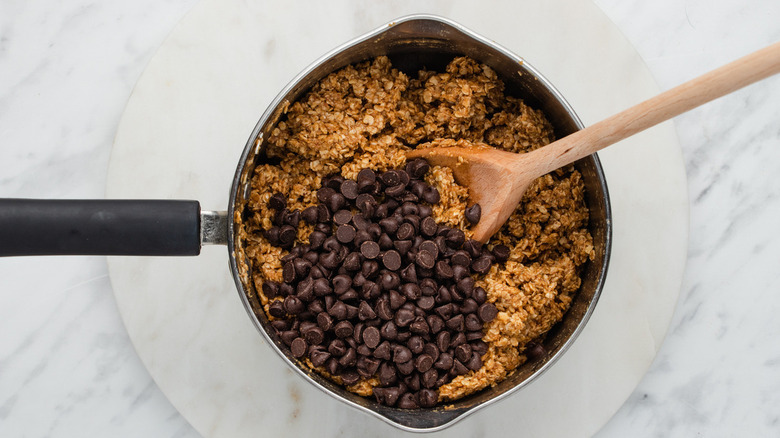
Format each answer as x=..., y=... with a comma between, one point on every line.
x=367, y=116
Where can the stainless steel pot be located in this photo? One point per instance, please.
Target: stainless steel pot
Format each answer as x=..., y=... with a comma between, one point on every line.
x=106, y=227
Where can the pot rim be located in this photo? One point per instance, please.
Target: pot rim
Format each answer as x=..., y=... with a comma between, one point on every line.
x=402, y=419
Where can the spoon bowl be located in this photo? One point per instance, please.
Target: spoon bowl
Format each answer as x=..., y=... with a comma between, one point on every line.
x=497, y=179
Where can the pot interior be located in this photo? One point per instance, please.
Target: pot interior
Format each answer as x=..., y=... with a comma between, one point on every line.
x=414, y=43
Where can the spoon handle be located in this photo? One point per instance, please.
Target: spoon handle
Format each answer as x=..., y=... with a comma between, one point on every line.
x=719, y=82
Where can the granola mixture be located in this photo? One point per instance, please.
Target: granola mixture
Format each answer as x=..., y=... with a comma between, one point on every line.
x=367, y=116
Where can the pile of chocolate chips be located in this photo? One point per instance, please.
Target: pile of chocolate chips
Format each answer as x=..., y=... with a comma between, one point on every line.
x=382, y=289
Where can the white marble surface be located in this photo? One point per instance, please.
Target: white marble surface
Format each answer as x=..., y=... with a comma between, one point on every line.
x=187, y=120
x=67, y=367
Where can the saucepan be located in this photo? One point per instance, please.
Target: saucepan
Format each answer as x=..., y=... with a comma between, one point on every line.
x=180, y=227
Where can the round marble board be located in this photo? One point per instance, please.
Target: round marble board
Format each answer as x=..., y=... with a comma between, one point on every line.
x=188, y=120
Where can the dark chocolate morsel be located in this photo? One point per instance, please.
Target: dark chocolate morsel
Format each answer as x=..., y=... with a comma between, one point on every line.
x=473, y=214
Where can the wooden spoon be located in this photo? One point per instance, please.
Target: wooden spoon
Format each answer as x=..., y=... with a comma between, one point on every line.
x=497, y=179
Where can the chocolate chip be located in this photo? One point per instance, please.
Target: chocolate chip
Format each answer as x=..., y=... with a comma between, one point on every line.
x=443, y=270
x=412, y=382
x=370, y=269
x=428, y=227
x=390, y=178
x=349, y=358
x=369, y=364
x=401, y=354
x=366, y=204
x=369, y=249
x=474, y=335
x=459, y=272
x=324, y=194
x=423, y=363
x=473, y=213
x=329, y=260
x=415, y=344
x=444, y=311
x=323, y=216
x=463, y=352
x=337, y=347
x=338, y=310
x=315, y=336
x=501, y=253
x=427, y=398
x=535, y=351
x=349, y=377
x=430, y=246
x=319, y=357
x=473, y=247
x=457, y=323
x=455, y=238
x=383, y=310
x=298, y=347
x=396, y=299
x=270, y=289
x=445, y=362
x=389, y=331
x=473, y=322
x=469, y=305
x=429, y=378
x=458, y=368
x=341, y=284
x=276, y=309
x=405, y=368
x=487, y=312
x=277, y=201
x=333, y=181
x=365, y=179
x=280, y=325
x=426, y=302
x=475, y=362
x=419, y=326
x=395, y=191
x=481, y=265
x=479, y=346
x=352, y=311
x=345, y=233
x=392, y=260
x=417, y=168
x=411, y=291
x=371, y=337
x=402, y=246
x=431, y=195
x=292, y=218
x=435, y=323
x=425, y=259
x=403, y=317
x=382, y=351
x=360, y=222
x=342, y=217
x=310, y=215
x=365, y=311
x=405, y=231
x=287, y=235
x=324, y=321
x=293, y=305
x=466, y=286
x=443, y=340
x=343, y=329
x=316, y=239
x=349, y=189
x=385, y=242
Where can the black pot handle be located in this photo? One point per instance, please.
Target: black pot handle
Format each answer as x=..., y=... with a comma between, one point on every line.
x=99, y=227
